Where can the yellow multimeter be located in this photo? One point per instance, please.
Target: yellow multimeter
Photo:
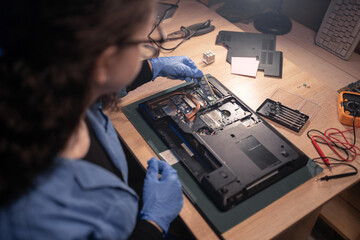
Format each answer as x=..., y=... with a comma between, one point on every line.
x=349, y=107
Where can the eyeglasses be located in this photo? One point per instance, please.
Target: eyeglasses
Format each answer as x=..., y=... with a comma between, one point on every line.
x=150, y=48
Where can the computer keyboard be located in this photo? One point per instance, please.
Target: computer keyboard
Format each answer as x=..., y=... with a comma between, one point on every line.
x=339, y=32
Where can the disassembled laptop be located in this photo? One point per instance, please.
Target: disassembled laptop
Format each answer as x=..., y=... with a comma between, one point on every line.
x=229, y=149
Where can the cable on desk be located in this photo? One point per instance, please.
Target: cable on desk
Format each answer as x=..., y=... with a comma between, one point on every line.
x=341, y=175
x=157, y=25
x=328, y=138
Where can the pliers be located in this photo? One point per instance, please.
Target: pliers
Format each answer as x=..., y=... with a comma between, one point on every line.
x=193, y=30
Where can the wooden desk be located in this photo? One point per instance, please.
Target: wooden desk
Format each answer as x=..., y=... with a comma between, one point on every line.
x=296, y=212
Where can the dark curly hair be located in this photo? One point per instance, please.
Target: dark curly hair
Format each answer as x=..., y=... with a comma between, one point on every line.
x=49, y=49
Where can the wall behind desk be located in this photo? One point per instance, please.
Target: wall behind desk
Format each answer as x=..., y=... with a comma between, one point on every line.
x=309, y=13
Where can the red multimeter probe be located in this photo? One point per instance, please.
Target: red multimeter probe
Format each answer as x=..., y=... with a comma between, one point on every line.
x=348, y=109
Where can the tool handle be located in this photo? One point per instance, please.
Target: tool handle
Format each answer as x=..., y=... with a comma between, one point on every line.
x=202, y=31
x=197, y=29
x=199, y=26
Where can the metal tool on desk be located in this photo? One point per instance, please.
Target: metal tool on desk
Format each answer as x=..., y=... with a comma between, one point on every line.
x=197, y=29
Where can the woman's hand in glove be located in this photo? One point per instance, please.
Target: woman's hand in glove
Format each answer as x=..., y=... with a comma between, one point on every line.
x=179, y=67
x=162, y=196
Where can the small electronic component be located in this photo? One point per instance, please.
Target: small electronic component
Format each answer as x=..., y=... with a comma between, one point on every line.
x=304, y=85
x=208, y=57
x=349, y=107
x=275, y=111
x=206, y=87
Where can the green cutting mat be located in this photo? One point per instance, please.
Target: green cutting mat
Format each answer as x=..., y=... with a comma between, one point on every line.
x=220, y=221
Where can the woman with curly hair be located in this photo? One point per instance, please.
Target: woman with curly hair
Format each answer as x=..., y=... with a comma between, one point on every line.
x=63, y=172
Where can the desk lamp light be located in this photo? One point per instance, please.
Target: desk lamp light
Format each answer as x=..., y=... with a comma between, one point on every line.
x=273, y=22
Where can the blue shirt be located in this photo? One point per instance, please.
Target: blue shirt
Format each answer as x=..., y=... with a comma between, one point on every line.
x=77, y=199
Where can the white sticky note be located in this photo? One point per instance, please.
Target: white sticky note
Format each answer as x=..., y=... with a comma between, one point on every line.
x=246, y=66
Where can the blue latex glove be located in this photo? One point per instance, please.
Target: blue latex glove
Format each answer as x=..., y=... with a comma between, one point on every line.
x=162, y=196
x=179, y=67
